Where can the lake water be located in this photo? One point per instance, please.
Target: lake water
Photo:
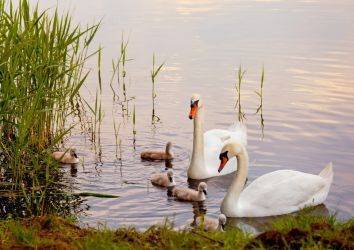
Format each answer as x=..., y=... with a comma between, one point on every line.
x=307, y=50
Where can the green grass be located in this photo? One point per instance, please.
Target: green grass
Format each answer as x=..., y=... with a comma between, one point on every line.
x=291, y=232
x=42, y=59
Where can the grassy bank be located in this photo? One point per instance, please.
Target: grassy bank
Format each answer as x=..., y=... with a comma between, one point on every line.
x=295, y=232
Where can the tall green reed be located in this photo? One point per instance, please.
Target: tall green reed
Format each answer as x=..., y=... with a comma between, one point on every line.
x=241, y=115
x=42, y=59
x=260, y=107
x=154, y=73
x=120, y=72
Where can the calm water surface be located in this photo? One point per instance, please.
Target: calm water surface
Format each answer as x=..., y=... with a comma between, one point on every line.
x=307, y=49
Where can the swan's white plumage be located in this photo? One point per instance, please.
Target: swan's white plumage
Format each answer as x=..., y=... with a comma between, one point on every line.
x=281, y=192
x=276, y=193
x=214, y=140
x=207, y=146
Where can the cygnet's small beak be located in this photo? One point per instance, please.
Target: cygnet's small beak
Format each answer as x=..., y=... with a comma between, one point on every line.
x=205, y=192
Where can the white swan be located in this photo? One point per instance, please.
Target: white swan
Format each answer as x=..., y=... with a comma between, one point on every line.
x=207, y=148
x=275, y=193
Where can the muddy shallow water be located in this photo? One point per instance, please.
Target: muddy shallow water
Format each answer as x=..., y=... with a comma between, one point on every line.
x=307, y=50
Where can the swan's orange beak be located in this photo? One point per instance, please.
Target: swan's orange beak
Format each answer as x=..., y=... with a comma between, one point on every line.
x=223, y=160
x=194, y=111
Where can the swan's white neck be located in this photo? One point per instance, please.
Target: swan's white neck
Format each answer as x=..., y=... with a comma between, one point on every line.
x=197, y=161
x=230, y=201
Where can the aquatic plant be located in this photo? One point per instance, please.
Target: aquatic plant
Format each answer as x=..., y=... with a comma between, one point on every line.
x=260, y=107
x=42, y=61
x=134, y=126
x=119, y=71
x=154, y=73
x=118, y=141
x=240, y=75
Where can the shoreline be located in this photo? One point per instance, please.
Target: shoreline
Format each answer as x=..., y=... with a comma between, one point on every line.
x=53, y=232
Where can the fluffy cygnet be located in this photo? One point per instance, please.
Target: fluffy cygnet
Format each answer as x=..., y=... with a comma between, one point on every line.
x=210, y=224
x=66, y=157
x=187, y=194
x=158, y=155
x=163, y=179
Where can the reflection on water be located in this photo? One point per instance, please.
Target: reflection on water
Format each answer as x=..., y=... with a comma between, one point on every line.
x=259, y=225
x=307, y=50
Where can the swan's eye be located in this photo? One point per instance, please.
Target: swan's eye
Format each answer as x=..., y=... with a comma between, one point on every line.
x=194, y=103
x=223, y=155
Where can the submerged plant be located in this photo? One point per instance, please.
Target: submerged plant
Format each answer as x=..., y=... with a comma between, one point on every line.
x=154, y=72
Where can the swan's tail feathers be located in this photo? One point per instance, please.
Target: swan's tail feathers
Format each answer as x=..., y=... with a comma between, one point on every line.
x=327, y=172
x=239, y=131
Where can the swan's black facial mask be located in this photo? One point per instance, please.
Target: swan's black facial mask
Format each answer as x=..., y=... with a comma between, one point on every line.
x=205, y=192
x=170, y=178
x=223, y=160
x=194, y=109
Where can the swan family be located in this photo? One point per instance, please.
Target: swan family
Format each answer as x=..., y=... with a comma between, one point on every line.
x=219, y=152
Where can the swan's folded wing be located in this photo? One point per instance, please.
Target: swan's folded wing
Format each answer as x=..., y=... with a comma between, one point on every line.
x=213, y=143
x=283, y=191
x=217, y=137
x=238, y=131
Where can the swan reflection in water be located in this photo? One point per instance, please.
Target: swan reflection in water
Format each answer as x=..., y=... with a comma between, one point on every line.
x=258, y=225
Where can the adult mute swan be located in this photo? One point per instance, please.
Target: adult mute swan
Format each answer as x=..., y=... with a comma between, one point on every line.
x=275, y=193
x=66, y=157
x=206, y=148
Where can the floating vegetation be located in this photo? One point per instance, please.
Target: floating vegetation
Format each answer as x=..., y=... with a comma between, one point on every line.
x=154, y=72
x=97, y=195
x=260, y=107
x=240, y=113
x=42, y=60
